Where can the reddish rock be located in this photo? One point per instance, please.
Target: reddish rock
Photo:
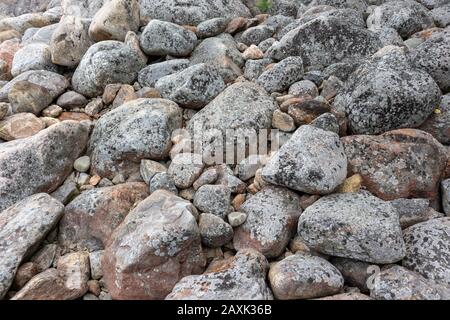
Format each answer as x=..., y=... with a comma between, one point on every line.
x=305, y=112
x=91, y=217
x=25, y=272
x=19, y=126
x=7, y=51
x=75, y=116
x=154, y=247
x=405, y=163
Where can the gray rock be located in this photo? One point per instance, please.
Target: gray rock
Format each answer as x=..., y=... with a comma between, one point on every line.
x=255, y=35
x=193, y=87
x=161, y=38
x=282, y=75
x=438, y=124
x=398, y=283
x=266, y=44
x=151, y=74
x=445, y=190
x=166, y=247
x=312, y=161
x=95, y=259
x=341, y=70
x=192, y=12
x=185, y=168
x=19, y=7
x=405, y=16
x=149, y=168
x=235, y=219
x=386, y=93
x=139, y=129
x=82, y=164
x=214, y=199
x=208, y=176
x=302, y=276
x=431, y=4
x=441, y=16
x=353, y=225
x=22, y=227
x=388, y=36
x=303, y=88
x=246, y=169
x=413, y=211
x=66, y=192
x=70, y=41
x=212, y=27
x=108, y=62
x=428, y=249
x=327, y=122
x=214, y=231
x=163, y=181
x=39, y=163
x=71, y=99
x=254, y=68
x=356, y=273
x=221, y=53
x=45, y=257
x=272, y=216
x=41, y=35
x=53, y=82
x=239, y=278
x=326, y=40
x=359, y=5
x=35, y=56
x=433, y=56
x=81, y=8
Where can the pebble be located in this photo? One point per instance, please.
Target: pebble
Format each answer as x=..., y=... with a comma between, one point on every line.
x=82, y=164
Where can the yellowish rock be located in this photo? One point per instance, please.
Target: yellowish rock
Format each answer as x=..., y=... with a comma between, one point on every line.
x=352, y=184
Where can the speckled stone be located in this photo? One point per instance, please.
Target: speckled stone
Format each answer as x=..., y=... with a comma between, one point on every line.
x=215, y=199
x=153, y=72
x=353, y=225
x=214, y=231
x=280, y=76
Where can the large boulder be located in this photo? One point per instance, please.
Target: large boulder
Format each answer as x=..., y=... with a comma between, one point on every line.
x=192, y=12
x=272, y=216
x=156, y=245
x=241, y=277
x=326, y=40
x=405, y=16
x=108, y=62
x=39, y=163
x=139, y=129
x=22, y=227
x=386, y=93
x=353, y=225
x=404, y=163
x=90, y=218
x=311, y=161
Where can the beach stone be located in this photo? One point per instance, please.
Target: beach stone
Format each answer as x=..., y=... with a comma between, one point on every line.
x=153, y=72
x=212, y=27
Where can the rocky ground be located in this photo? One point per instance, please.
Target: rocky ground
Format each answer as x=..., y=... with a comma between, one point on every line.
x=102, y=197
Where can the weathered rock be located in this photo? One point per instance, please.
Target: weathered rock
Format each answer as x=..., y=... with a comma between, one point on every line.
x=166, y=241
x=71, y=100
x=152, y=73
x=398, y=283
x=53, y=82
x=241, y=277
x=428, y=249
x=44, y=258
x=254, y=68
x=114, y=20
x=221, y=53
x=22, y=227
x=413, y=211
x=304, y=87
x=279, y=77
x=163, y=181
x=214, y=199
x=350, y=296
x=66, y=192
x=185, y=168
x=405, y=16
x=108, y=62
x=438, y=124
x=305, y=112
x=161, y=38
x=19, y=7
x=312, y=161
x=235, y=219
x=139, y=129
x=192, y=12
x=25, y=272
x=149, y=168
x=326, y=40
x=328, y=122
x=272, y=216
x=207, y=177
x=39, y=163
x=283, y=121
x=8, y=49
x=302, y=276
x=35, y=56
x=19, y=126
x=356, y=273
x=353, y=225
x=441, y=16
x=40, y=35
x=445, y=190
x=393, y=165
x=193, y=87
x=67, y=282
x=214, y=231
x=386, y=93
x=255, y=35
x=81, y=8
x=211, y=27
x=432, y=56
x=91, y=217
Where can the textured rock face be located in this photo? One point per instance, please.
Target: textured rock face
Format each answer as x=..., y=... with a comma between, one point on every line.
x=108, y=62
x=39, y=163
x=413, y=211
x=239, y=278
x=301, y=276
x=353, y=225
x=398, y=283
x=22, y=227
x=139, y=129
x=35, y=56
x=386, y=93
x=90, y=218
x=282, y=75
x=438, y=124
x=312, y=161
x=152, y=73
x=403, y=163
x=193, y=87
x=433, y=56
x=428, y=249
x=19, y=7
x=166, y=247
x=326, y=40
x=82, y=8
x=213, y=199
x=192, y=12
x=19, y=126
x=272, y=216
x=407, y=17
